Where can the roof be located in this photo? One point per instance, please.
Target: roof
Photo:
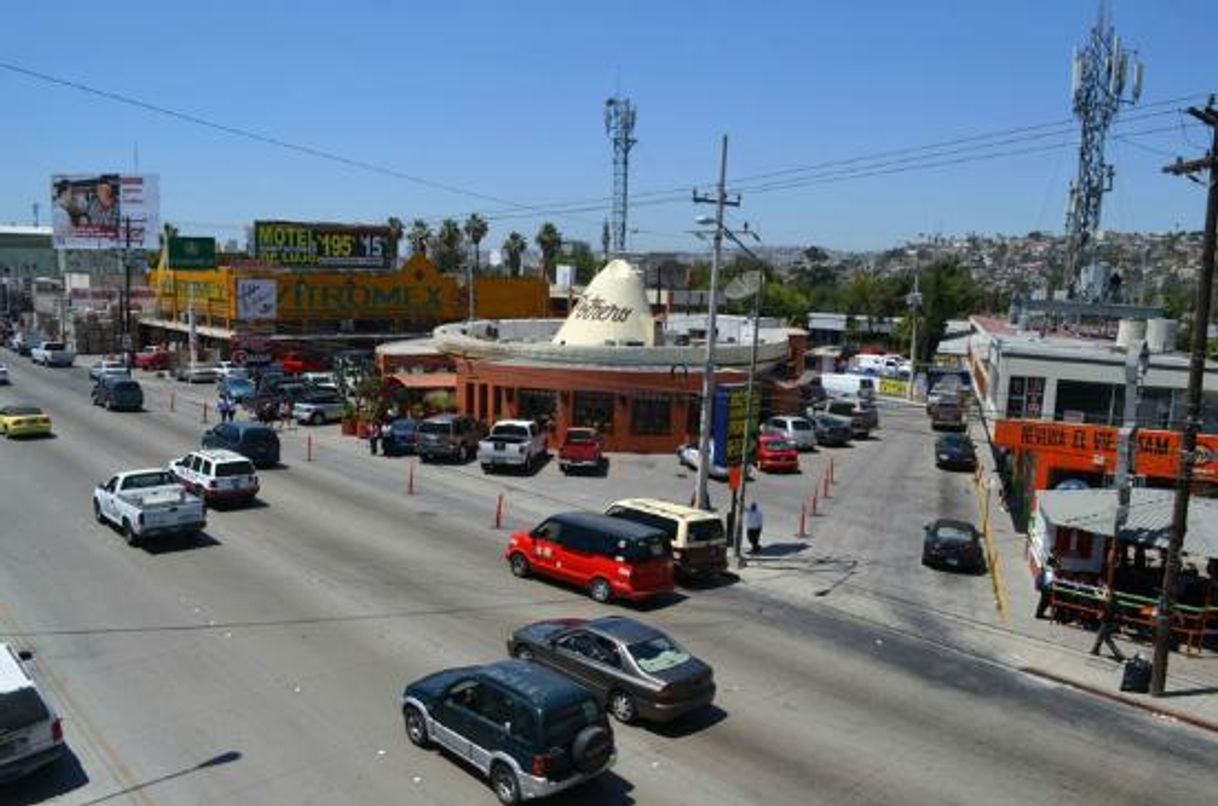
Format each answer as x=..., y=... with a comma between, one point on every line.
x=661, y=507
x=424, y=346
x=424, y=380
x=1149, y=521
x=957, y=345
x=220, y=455
x=12, y=674
x=626, y=630
x=542, y=687
x=618, y=526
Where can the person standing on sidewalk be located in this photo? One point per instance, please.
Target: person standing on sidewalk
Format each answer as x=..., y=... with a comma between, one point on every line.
x=753, y=522
x=1109, y=627
x=1044, y=585
x=374, y=436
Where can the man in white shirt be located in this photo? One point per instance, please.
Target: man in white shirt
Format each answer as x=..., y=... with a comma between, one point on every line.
x=752, y=525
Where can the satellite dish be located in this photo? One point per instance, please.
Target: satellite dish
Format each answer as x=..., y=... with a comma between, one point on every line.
x=743, y=285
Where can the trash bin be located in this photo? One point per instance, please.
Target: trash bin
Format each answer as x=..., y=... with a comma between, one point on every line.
x=1137, y=675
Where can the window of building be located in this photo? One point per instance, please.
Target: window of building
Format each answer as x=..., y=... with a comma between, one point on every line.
x=1025, y=397
x=1086, y=402
x=537, y=404
x=651, y=415
x=593, y=410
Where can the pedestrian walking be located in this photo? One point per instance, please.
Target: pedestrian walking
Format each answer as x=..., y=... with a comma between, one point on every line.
x=753, y=522
x=1109, y=627
x=386, y=433
x=1044, y=585
x=285, y=414
x=374, y=437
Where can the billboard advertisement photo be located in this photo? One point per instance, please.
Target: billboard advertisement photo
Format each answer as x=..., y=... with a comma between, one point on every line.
x=105, y=211
x=293, y=243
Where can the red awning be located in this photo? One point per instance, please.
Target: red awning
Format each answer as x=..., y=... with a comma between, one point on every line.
x=424, y=380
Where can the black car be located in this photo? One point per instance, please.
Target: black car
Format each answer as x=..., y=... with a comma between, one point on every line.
x=255, y=442
x=953, y=544
x=635, y=670
x=402, y=435
x=118, y=393
x=830, y=429
x=530, y=731
x=955, y=451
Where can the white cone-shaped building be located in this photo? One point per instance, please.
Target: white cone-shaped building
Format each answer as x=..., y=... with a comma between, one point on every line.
x=612, y=310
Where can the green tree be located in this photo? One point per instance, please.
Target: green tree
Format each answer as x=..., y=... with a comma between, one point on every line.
x=948, y=292
x=585, y=261
x=449, y=246
x=420, y=235
x=514, y=246
x=395, y=235
x=476, y=229
x=549, y=241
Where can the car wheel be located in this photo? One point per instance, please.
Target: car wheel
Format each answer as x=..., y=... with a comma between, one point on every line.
x=622, y=706
x=486, y=468
x=416, y=727
x=519, y=565
x=129, y=534
x=522, y=652
x=97, y=513
x=317, y=418
x=503, y=781
x=600, y=591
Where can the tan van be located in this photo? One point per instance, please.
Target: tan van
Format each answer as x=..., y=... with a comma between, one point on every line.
x=695, y=538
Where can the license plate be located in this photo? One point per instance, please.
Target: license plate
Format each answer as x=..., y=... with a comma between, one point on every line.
x=953, y=561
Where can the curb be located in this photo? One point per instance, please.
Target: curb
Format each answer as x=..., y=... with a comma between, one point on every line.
x=1123, y=699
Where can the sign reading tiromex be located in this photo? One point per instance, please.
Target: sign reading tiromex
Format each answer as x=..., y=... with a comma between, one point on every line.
x=1157, y=452
x=893, y=387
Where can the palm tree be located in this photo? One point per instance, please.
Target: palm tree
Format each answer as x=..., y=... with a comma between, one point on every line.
x=549, y=240
x=450, y=246
x=514, y=246
x=395, y=236
x=475, y=230
x=167, y=231
x=419, y=235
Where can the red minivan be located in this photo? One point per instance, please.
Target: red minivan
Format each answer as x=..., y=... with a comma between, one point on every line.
x=610, y=557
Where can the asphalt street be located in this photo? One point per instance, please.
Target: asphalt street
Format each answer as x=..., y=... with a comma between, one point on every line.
x=263, y=664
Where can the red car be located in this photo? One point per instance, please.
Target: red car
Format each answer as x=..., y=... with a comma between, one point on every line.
x=774, y=452
x=611, y=558
x=581, y=450
x=296, y=363
x=151, y=360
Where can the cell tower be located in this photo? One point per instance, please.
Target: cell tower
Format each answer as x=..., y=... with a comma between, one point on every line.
x=1101, y=75
x=619, y=125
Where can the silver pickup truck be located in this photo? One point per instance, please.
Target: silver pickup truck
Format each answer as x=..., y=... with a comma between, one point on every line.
x=53, y=354
x=148, y=503
x=512, y=443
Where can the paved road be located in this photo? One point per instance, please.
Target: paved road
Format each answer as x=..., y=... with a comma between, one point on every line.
x=263, y=664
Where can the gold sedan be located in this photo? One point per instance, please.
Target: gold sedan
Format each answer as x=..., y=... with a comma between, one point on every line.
x=24, y=421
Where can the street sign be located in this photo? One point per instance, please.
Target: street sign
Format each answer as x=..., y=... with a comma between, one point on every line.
x=728, y=422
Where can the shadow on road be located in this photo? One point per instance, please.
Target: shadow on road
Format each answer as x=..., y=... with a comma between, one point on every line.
x=173, y=545
x=49, y=783
x=215, y=761
x=689, y=724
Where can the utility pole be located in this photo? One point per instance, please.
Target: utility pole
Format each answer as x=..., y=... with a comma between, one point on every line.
x=914, y=300
x=1196, y=372
x=127, y=291
x=720, y=200
x=1137, y=362
x=742, y=499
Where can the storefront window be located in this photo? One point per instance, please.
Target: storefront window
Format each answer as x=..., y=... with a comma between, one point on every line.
x=593, y=410
x=537, y=404
x=650, y=415
x=1025, y=397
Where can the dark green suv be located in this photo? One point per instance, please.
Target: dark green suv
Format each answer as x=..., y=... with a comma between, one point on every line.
x=530, y=731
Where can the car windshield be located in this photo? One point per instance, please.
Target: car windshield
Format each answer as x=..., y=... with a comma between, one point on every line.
x=20, y=411
x=21, y=708
x=234, y=469
x=953, y=533
x=143, y=481
x=658, y=654
x=581, y=436
x=127, y=386
x=435, y=428
x=510, y=430
x=641, y=548
x=702, y=531
x=564, y=725
x=801, y=425
x=239, y=385
x=255, y=436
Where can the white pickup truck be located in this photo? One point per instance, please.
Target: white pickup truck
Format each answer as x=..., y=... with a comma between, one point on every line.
x=53, y=354
x=512, y=443
x=148, y=503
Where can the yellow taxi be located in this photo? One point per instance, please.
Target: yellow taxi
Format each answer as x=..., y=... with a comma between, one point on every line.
x=24, y=421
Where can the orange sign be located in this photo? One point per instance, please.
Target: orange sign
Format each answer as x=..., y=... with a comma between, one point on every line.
x=1157, y=454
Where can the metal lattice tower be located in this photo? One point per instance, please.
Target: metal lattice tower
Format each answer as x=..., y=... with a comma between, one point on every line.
x=1101, y=72
x=619, y=125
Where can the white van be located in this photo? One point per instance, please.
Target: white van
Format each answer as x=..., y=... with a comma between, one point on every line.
x=31, y=730
x=848, y=385
x=695, y=537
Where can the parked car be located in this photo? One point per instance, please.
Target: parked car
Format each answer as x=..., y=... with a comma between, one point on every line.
x=196, y=373
x=797, y=430
x=953, y=544
x=518, y=444
x=402, y=435
x=148, y=503
x=118, y=393
x=231, y=369
x=776, y=454
x=813, y=391
x=24, y=421
x=296, y=363
x=31, y=732
x=316, y=407
x=151, y=360
x=320, y=380
x=24, y=345
x=830, y=429
x=863, y=415
x=949, y=387
x=689, y=456
x=527, y=729
x=581, y=450
x=108, y=366
x=448, y=436
x=955, y=451
x=53, y=354
x=217, y=475
x=635, y=671
x=609, y=557
x=946, y=413
x=694, y=537
x=239, y=390
x=256, y=442
x=848, y=385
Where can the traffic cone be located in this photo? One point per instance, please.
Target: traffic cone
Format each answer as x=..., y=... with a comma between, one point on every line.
x=499, y=512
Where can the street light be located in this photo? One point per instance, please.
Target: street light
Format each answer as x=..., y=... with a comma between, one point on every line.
x=1137, y=363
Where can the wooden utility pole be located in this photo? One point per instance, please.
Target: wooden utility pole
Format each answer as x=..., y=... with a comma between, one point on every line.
x=1196, y=371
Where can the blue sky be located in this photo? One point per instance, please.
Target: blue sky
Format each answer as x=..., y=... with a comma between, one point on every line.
x=506, y=100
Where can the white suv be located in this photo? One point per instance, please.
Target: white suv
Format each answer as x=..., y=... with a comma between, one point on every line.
x=217, y=475
x=31, y=735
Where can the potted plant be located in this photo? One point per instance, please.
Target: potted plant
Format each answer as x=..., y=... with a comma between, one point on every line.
x=350, y=424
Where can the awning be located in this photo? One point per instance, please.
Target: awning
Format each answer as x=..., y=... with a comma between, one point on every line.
x=424, y=380
x=1149, y=521
x=803, y=380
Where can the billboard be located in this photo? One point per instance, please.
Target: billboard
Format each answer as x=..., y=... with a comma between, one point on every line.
x=728, y=422
x=105, y=211
x=257, y=299
x=294, y=243
x=192, y=253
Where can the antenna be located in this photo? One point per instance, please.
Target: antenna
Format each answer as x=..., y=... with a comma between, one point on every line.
x=619, y=125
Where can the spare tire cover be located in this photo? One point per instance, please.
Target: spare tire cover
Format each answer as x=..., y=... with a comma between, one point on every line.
x=591, y=749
